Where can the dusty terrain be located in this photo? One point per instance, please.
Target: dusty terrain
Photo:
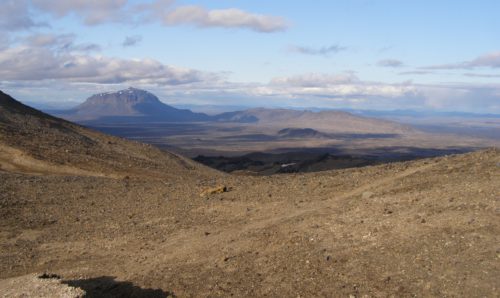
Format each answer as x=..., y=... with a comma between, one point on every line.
x=113, y=217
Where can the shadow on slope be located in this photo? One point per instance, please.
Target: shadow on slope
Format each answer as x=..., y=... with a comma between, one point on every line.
x=306, y=133
x=302, y=160
x=107, y=286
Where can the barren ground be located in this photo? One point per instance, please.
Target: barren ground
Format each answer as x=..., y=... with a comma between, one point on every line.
x=426, y=228
x=113, y=218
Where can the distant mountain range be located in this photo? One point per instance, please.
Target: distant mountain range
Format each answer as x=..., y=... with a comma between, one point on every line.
x=139, y=106
x=218, y=109
x=420, y=114
x=325, y=121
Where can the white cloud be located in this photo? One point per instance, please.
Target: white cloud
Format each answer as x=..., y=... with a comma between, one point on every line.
x=390, y=63
x=60, y=42
x=323, y=51
x=336, y=86
x=481, y=75
x=93, y=12
x=15, y=15
x=26, y=63
x=416, y=72
x=131, y=40
x=489, y=60
x=347, y=90
x=314, y=80
x=226, y=18
x=464, y=97
x=4, y=41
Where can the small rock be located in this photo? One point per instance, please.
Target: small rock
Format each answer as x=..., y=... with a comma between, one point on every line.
x=214, y=190
x=366, y=195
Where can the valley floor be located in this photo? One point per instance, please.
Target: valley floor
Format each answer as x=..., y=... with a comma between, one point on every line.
x=423, y=228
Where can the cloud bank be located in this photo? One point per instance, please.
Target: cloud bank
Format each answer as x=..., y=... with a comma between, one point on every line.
x=28, y=63
x=95, y=12
x=226, y=18
x=52, y=62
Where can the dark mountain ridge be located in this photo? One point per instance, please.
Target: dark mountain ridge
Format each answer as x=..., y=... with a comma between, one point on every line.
x=301, y=133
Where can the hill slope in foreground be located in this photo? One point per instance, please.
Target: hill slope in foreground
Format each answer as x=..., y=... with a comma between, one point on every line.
x=123, y=218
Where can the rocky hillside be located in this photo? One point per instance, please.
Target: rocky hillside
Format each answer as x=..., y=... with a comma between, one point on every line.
x=31, y=141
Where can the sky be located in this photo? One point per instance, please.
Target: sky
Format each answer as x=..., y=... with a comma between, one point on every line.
x=361, y=54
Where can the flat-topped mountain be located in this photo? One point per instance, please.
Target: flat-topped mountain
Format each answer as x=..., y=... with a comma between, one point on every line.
x=129, y=105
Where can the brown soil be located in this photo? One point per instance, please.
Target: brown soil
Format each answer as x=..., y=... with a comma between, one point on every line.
x=133, y=222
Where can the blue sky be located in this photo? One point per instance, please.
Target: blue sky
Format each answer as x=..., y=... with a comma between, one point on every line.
x=425, y=55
